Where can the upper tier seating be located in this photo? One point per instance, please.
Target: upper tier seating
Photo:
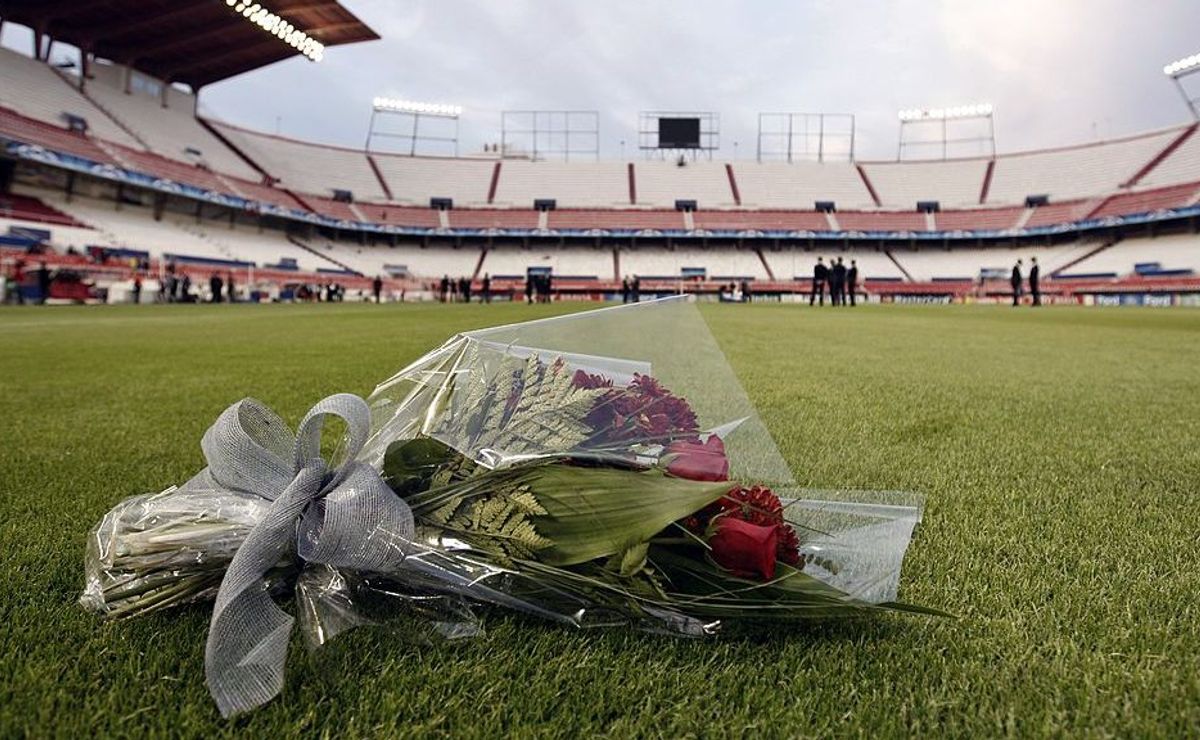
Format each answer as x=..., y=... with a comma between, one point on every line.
x=1075, y=172
x=1180, y=166
x=34, y=89
x=305, y=167
x=799, y=185
x=571, y=184
x=168, y=131
x=953, y=183
x=414, y=180
x=662, y=183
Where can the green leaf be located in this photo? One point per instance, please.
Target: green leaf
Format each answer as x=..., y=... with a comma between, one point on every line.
x=596, y=512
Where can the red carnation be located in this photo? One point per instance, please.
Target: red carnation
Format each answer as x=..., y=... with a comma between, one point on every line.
x=757, y=505
x=643, y=412
x=747, y=550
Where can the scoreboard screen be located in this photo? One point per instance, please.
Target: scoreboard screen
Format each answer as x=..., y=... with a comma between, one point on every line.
x=679, y=133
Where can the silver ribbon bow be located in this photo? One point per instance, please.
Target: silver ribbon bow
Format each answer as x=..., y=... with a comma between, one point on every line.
x=342, y=516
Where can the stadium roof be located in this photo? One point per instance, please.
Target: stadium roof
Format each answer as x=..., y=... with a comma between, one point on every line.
x=196, y=42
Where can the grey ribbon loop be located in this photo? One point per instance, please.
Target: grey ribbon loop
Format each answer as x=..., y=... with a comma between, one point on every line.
x=345, y=517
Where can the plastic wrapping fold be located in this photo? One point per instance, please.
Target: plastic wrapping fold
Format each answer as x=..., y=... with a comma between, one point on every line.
x=600, y=469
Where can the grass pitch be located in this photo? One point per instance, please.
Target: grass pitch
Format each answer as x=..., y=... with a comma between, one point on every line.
x=1058, y=450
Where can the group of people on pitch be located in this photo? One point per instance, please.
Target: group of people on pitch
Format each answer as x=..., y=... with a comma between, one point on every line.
x=842, y=281
x=1035, y=291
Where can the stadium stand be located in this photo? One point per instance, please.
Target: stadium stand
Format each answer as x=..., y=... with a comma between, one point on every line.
x=1084, y=171
x=798, y=265
x=953, y=183
x=715, y=264
x=133, y=227
x=934, y=264
x=38, y=91
x=414, y=180
x=782, y=220
x=778, y=185
x=1182, y=165
x=1100, y=182
x=26, y=208
x=1172, y=255
x=615, y=219
x=881, y=221
x=978, y=218
x=170, y=130
x=306, y=167
x=493, y=218
x=660, y=184
x=411, y=260
x=571, y=184
x=586, y=263
x=1147, y=201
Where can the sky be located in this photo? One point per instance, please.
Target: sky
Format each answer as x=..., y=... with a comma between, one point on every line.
x=1057, y=72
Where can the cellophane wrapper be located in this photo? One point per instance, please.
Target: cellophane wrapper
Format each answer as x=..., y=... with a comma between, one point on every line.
x=853, y=542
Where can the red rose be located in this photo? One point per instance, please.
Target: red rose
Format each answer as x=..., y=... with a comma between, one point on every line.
x=745, y=549
x=699, y=461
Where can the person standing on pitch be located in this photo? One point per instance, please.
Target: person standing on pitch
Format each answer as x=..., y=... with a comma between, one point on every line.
x=486, y=295
x=820, y=275
x=837, y=283
x=852, y=281
x=230, y=290
x=1016, y=283
x=377, y=288
x=1034, y=275
x=625, y=290
x=215, y=286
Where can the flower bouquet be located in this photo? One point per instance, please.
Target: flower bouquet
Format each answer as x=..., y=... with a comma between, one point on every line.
x=597, y=469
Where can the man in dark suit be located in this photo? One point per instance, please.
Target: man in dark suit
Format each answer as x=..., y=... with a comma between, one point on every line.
x=837, y=283
x=1034, y=275
x=852, y=281
x=820, y=275
x=1016, y=283
x=215, y=286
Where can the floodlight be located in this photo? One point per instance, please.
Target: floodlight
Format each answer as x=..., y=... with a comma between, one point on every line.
x=278, y=27
x=393, y=105
x=977, y=110
x=1187, y=64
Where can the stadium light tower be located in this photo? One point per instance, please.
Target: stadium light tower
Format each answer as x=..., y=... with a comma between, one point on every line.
x=942, y=119
x=1177, y=71
x=416, y=111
